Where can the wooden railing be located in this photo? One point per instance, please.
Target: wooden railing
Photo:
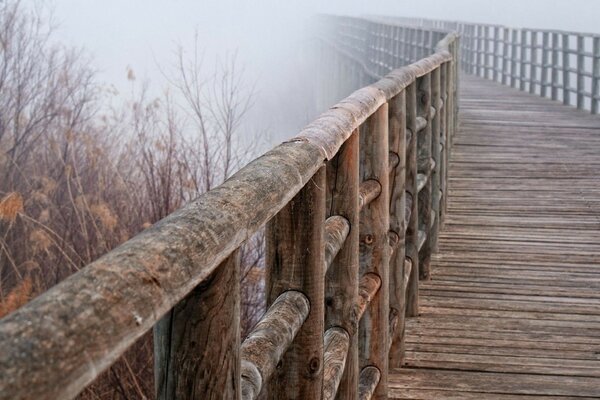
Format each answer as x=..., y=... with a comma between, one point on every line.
x=559, y=65
x=352, y=207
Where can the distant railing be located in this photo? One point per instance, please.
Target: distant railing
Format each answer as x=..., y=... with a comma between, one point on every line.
x=559, y=65
x=352, y=207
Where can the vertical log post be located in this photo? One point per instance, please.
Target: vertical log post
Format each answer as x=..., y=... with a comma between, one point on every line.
x=505, y=56
x=565, y=69
x=397, y=180
x=295, y=261
x=555, y=65
x=486, y=51
x=545, y=66
x=196, y=344
x=412, y=231
x=580, y=72
x=341, y=282
x=533, y=63
x=436, y=158
x=496, y=52
x=596, y=77
x=424, y=164
x=523, y=74
x=374, y=247
x=513, y=56
x=444, y=76
x=480, y=51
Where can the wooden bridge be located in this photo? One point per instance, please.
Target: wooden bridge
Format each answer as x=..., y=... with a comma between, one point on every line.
x=415, y=249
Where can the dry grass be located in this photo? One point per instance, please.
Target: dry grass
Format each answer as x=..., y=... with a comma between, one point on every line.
x=10, y=206
x=17, y=297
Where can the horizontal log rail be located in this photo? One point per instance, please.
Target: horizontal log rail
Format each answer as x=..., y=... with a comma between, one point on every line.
x=350, y=228
x=559, y=65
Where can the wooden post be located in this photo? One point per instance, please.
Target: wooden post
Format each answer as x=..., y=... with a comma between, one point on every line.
x=580, y=72
x=480, y=51
x=565, y=68
x=596, y=77
x=196, y=344
x=533, y=64
x=424, y=167
x=412, y=231
x=486, y=52
x=514, y=51
x=555, y=65
x=444, y=77
x=505, y=56
x=295, y=261
x=397, y=180
x=523, y=74
x=496, y=52
x=436, y=157
x=341, y=282
x=545, y=66
x=374, y=247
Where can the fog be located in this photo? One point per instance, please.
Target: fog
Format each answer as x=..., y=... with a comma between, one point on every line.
x=268, y=35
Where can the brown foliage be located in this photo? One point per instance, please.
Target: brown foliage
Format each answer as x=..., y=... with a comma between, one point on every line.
x=79, y=180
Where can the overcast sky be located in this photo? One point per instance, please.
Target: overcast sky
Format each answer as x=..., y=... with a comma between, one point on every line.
x=143, y=33
x=138, y=33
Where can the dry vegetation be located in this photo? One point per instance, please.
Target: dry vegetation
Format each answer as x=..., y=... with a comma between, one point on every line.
x=78, y=178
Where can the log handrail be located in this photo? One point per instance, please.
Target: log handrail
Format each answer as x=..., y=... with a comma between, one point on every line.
x=181, y=276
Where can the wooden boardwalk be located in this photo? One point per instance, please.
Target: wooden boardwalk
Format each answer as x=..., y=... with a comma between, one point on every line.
x=513, y=307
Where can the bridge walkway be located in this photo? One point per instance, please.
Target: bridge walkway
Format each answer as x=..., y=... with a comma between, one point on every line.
x=513, y=306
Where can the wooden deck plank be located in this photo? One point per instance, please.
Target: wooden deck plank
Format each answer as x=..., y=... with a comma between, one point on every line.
x=513, y=307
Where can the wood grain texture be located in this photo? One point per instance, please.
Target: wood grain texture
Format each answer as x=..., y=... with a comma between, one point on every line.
x=295, y=261
x=512, y=309
x=196, y=345
x=336, y=351
x=399, y=218
x=268, y=341
x=412, y=230
x=341, y=282
x=374, y=246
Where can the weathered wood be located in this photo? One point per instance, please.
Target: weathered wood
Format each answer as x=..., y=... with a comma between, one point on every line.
x=369, y=190
x=336, y=232
x=367, y=289
x=369, y=380
x=412, y=231
x=295, y=261
x=374, y=248
x=398, y=222
x=580, y=72
x=265, y=346
x=336, y=351
x=596, y=77
x=131, y=287
x=342, y=277
x=512, y=308
x=196, y=345
x=424, y=151
x=436, y=159
x=566, y=65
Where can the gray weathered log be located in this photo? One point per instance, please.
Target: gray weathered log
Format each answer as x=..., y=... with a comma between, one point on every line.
x=265, y=346
x=196, y=345
x=336, y=351
x=342, y=277
x=368, y=382
x=374, y=245
x=336, y=232
x=369, y=190
x=367, y=289
x=295, y=248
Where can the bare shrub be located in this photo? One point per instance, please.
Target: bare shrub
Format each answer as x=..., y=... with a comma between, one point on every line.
x=79, y=180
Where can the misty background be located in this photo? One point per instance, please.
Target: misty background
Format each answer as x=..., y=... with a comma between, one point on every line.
x=270, y=39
